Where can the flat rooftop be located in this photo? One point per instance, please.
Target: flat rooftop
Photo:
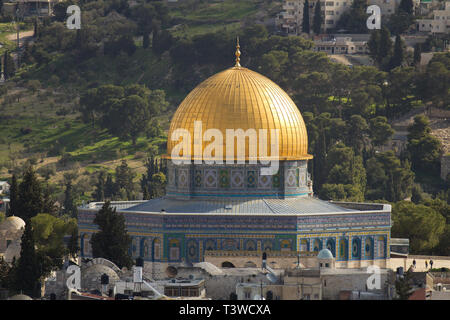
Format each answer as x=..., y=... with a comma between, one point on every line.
x=298, y=205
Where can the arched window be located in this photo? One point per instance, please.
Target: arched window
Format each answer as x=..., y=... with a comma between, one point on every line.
x=267, y=245
x=192, y=250
x=303, y=245
x=285, y=245
x=381, y=247
x=229, y=244
x=331, y=246
x=174, y=249
x=145, y=249
x=317, y=245
x=250, y=245
x=342, y=249
x=368, y=248
x=210, y=244
x=356, y=248
x=156, y=249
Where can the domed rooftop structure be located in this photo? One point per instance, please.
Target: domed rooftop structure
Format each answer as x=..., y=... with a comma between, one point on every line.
x=91, y=276
x=238, y=98
x=325, y=254
x=12, y=224
x=20, y=297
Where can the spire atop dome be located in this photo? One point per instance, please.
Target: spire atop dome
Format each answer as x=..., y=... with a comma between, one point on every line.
x=238, y=54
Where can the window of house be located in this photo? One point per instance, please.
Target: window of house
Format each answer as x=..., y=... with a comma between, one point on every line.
x=330, y=3
x=330, y=21
x=316, y=296
x=327, y=265
x=247, y=294
x=331, y=13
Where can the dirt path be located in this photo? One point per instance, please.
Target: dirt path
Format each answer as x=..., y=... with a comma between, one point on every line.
x=24, y=35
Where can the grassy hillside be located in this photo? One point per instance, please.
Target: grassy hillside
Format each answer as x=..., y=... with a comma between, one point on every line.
x=39, y=121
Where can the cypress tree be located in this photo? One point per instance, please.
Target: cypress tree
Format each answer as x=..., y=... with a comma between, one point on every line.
x=417, y=53
x=398, y=56
x=112, y=241
x=374, y=44
x=9, y=69
x=13, y=197
x=406, y=6
x=99, y=193
x=27, y=271
x=30, y=195
x=73, y=243
x=69, y=202
x=317, y=22
x=109, y=187
x=305, y=22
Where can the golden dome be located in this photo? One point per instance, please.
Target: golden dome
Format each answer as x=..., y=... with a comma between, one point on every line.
x=238, y=98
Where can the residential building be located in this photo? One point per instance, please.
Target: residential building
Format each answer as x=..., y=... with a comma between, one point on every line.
x=438, y=22
x=340, y=45
x=4, y=187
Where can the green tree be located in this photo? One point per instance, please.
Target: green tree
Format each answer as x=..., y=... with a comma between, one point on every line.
x=403, y=287
x=9, y=68
x=399, y=54
x=406, y=6
x=354, y=20
x=27, y=273
x=158, y=184
x=417, y=53
x=422, y=225
x=357, y=132
x=48, y=234
x=99, y=193
x=30, y=195
x=124, y=178
x=346, y=176
x=112, y=241
x=305, y=21
x=13, y=197
x=380, y=131
x=318, y=20
x=70, y=207
x=388, y=178
x=425, y=150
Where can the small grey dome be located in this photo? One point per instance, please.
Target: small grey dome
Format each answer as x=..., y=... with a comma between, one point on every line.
x=20, y=297
x=325, y=254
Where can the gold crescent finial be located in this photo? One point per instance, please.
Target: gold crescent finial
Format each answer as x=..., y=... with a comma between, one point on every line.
x=238, y=54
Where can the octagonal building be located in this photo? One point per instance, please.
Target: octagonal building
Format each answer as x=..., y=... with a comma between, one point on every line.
x=229, y=214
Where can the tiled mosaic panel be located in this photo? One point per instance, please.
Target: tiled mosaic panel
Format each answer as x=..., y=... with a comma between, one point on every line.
x=183, y=178
x=264, y=182
x=172, y=173
x=210, y=178
x=276, y=180
x=224, y=178
x=302, y=177
x=198, y=176
x=237, y=179
x=251, y=179
x=291, y=178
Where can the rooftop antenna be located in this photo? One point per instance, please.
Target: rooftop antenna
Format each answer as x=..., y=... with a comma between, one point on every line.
x=238, y=54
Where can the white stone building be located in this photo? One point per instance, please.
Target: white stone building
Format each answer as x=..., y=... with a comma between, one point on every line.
x=439, y=22
x=340, y=45
x=4, y=187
